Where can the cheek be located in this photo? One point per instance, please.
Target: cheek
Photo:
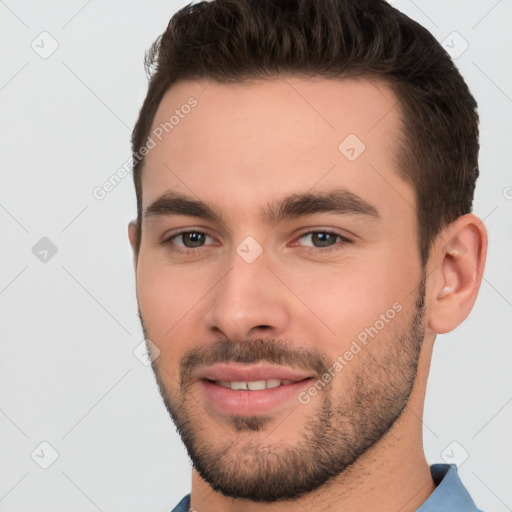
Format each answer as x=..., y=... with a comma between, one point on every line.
x=152, y=293
x=342, y=301
x=164, y=305
x=165, y=297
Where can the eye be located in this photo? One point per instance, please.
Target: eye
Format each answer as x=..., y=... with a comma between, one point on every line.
x=187, y=240
x=324, y=241
x=321, y=241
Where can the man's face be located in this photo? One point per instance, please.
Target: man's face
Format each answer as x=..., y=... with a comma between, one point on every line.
x=320, y=294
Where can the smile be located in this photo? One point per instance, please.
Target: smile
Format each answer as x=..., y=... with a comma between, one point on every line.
x=254, y=385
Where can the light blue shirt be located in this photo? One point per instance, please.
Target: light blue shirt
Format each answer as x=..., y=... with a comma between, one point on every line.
x=450, y=494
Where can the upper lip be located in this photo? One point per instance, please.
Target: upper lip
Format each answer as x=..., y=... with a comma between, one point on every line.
x=247, y=373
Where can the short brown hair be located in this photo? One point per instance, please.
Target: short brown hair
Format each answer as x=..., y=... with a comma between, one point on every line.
x=232, y=41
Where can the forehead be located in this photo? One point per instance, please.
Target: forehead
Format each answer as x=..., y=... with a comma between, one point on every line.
x=254, y=141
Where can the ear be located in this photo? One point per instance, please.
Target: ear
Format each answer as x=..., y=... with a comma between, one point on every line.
x=132, y=236
x=457, y=261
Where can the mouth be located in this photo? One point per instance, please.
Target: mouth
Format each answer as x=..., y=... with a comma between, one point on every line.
x=252, y=390
x=255, y=375
x=253, y=385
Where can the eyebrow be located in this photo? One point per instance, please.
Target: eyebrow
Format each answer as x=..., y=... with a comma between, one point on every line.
x=337, y=201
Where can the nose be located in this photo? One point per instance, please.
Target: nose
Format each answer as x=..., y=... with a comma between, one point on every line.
x=248, y=300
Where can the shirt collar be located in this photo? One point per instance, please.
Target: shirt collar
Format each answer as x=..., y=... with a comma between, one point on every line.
x=450, y=493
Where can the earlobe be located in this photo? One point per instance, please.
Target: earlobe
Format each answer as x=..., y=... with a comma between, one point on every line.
x=459, y=263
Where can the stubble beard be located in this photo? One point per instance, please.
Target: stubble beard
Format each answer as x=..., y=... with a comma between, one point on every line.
x=382, y=376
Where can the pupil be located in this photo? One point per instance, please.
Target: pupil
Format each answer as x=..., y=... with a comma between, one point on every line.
x=195, y=238
x=323, y=238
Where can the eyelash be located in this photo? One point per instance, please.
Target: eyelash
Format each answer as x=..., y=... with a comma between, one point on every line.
x=312, y=250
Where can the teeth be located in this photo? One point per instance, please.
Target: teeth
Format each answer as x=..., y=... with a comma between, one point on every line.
x=255, y=385
x=273, y=383
x=239, y=385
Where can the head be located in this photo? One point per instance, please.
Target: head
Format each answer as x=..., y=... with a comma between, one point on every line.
x=304, y=173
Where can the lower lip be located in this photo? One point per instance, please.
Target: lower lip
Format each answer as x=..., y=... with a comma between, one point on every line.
x=249, y=403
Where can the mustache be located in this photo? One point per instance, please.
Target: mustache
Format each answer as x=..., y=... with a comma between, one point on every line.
x=252, y=351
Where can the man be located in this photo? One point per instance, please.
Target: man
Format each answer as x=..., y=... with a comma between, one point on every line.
x=304, y=174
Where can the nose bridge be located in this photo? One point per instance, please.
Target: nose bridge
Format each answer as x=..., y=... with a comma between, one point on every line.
x=248, y=295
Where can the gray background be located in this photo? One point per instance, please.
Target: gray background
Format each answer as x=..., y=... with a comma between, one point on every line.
x=69, y=326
